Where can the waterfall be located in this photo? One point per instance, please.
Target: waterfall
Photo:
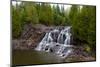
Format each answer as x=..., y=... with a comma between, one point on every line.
x=56, y=41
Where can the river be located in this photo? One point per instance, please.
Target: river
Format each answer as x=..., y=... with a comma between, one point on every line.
x=26, y=57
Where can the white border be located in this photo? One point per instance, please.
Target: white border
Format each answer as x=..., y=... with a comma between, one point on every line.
x=5, y=33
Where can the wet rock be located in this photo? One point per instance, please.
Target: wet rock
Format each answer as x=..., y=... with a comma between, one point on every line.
x=32, y=35
x=78, y=55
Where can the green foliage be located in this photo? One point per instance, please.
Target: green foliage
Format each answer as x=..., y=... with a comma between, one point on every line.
x=45, y=14
x=31, y=13
x=16, y=22
x=84, y=25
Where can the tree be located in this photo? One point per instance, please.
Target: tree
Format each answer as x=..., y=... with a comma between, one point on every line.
x=45, y=14
x=16, y=22
x=89, y=13
x=74, y=20
x=30, y=13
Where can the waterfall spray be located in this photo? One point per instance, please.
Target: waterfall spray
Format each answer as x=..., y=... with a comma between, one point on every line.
x=56, y=41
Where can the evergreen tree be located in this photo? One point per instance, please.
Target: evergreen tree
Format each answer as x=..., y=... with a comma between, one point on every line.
x=31, y=14
x=45, y=14
x=16, y=22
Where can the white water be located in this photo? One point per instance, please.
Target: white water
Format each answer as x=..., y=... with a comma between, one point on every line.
x=56, y=41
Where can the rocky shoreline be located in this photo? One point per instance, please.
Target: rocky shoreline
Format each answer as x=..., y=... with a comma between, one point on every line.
x=79, y=54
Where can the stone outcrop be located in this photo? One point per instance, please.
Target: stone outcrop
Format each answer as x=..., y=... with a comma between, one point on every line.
x=32, y=35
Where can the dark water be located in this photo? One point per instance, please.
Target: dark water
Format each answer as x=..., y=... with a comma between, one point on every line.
x=25, y=57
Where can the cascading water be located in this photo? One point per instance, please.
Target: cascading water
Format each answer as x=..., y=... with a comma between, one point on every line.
x=56, y=41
